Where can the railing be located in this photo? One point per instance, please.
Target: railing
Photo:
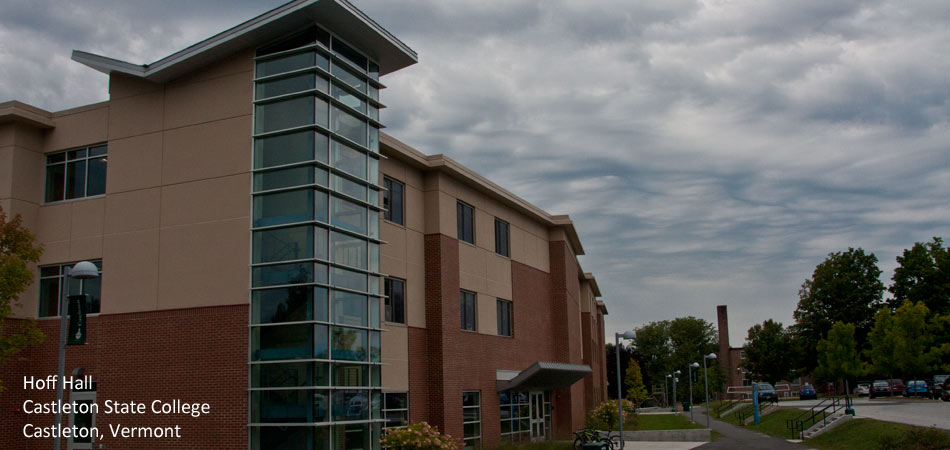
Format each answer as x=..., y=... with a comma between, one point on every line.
x=745, y=413
x=725, y=406
x=821, y=411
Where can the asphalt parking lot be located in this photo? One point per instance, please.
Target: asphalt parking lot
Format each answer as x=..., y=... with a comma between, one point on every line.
x=920, y=412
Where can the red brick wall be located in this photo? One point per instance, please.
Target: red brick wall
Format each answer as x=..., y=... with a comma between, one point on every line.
x=195, y=355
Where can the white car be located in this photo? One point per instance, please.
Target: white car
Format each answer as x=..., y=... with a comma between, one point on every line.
x=862, y=390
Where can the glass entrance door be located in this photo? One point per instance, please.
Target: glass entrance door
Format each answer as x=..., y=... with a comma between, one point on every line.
x=537, y=416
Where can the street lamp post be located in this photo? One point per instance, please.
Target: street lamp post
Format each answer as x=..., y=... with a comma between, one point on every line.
x=689, y=369
x=666, y=386
x=83, y=270
x=618, y=336
x=675, y=379
x=706, y=379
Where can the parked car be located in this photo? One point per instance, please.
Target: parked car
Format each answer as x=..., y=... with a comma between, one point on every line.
x=767, y=393
x=945, y=392
x=916, y=388
x=880, y=388
x=897, y=386
x=807, y=391
x=862, y=390
x=937, y=385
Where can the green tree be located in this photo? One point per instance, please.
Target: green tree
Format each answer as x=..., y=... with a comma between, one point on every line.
x=912, y=339
x=923, y=275
x=17, y=251
x=838, y=356
x=882, y=343
x=636, y=390
x=901, y=341
x=769, y=352
x=670, y=345
x=845, y=287
x=653, y=342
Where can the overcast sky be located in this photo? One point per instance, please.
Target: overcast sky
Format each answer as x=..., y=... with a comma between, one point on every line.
x=709, y=152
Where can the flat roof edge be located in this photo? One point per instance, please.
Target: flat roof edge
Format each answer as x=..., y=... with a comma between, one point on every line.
x=16, y=111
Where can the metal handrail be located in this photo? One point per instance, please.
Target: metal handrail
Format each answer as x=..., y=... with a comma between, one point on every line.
x=726, y=406
x=797, y=424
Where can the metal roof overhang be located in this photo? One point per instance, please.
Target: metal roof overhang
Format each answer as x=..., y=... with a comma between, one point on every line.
x=339, y=16
x=543, y=376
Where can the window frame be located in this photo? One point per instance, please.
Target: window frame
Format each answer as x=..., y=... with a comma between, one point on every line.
x=463, y=300
x=478, y=408
x=388, y=195
x=460, y=218
x=506, y=251
x=386, y=410
x=388, y=308
x=508, y=306
x=63, y=285
x=65, y=163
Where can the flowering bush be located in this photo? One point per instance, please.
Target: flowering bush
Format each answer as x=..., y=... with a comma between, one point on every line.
x=418, y=436
x=604, y=416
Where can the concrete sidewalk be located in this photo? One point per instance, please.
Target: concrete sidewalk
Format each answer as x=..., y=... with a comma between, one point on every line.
x=734, y=437
x=652, y=445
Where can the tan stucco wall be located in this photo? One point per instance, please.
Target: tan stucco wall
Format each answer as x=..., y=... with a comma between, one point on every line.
x=173, y=228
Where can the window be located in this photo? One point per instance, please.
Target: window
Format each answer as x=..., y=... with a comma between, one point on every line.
x=515, y=415
x=472, y=419
x=466, y=223
x=393, y=200
x=395, y=291
x=504, y=318
x=501, y=237
x=395, y=409
x=53, y=289
x=76, y=173
x=467, y=304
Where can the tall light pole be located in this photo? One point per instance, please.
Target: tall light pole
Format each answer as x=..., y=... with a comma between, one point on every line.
x=666, y=386
x=675, y=379
x=83, y=270
x=689, y=369
x=706, y=379
x=618, y=336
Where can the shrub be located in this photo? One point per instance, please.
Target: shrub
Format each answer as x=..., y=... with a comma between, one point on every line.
x=418, y=436
x=604, y=416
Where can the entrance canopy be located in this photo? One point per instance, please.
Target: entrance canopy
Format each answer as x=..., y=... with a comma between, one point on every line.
x=541, y=376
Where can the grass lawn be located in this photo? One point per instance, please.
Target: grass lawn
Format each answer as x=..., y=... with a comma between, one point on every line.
x=775, y=424
x=867, y=433
x=544, y=445
x=664, y=422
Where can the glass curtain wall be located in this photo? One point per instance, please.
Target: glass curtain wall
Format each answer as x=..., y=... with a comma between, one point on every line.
x=315, y=284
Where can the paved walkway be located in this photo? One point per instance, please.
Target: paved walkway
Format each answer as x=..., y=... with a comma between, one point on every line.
x=734, y=437
x=648, y=445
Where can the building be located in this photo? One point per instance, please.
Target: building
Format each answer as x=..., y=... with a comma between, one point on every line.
x=730, y=358
x=266, y=249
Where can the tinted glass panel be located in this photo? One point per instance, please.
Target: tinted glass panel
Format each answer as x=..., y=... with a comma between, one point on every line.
x=283, y=207
x=348, y=99
x=348, y=215
x=281, y=374
x=351, y=375
x=395, y=300
x=289, y=85
x=393, y=200
x=349, y=160
x=277, y=179
x=349, y=77
x=284, y=114
x=55, y=182
x=283, y=149
x=96, y=177
x=351, y=405
x=284, y=406
x=349, y=309
x=282, y=274
x=349, y=126
x=349, y=279
x=348, y=250
x=281, y=438
x=501, y=237
x=291, y=304
x=348, y=187
x=321, y=342
x=349, y=344
x=283, y=244
x=349, y=54
x=76, y=179
x=285, y=64
x=281, y=342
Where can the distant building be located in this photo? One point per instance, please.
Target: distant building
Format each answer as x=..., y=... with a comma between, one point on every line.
x=731, y=359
